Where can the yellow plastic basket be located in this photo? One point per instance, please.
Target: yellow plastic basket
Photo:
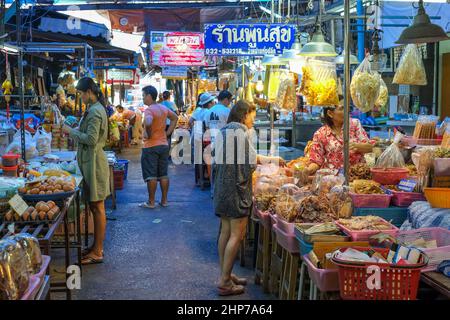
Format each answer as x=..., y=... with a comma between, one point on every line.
x=438, y=197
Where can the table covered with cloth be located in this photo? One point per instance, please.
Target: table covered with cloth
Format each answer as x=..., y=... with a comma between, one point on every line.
x=422, y=215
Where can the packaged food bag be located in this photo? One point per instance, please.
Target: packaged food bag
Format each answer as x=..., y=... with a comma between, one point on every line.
x=32, y=250
x=13, y=268
x=16, y=145
x=365, y=86
x=392, y=156
x=319, y=83
x=410, y=69
x=43, y=142
x=383, y=95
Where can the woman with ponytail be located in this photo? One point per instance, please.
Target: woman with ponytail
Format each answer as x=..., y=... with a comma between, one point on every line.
x=91, y=137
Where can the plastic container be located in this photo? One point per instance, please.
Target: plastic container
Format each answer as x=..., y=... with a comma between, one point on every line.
x=10, y=171
x=442, y=167
x=124, y=163
x=435, y=255
x=10, y=159
x=438, y=197
x=287, y=227
x=413, y=142
x=396, y=282
x=45, y=263
x=264, y=218
x=33, y=289
x=118, y=179
x=389, y=176
x=304, y=247
x=395, y=215
x=326, y=280
x=370, y=200
x=404, y=199
x=287, y=241
x=364, y=235
x=322, y=237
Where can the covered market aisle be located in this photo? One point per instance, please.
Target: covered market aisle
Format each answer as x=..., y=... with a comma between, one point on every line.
x=165, y=253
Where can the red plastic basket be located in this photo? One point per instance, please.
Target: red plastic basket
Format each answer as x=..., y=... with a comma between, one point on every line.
x=364, y=235
x=326, y=280
x=435, y=255
x=118, y=179
x=371, y=200
x=404, y=199
x=389, y=176
x=287, y=241
x=395, y=282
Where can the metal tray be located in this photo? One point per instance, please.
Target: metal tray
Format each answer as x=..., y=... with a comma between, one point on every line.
x=47, y=197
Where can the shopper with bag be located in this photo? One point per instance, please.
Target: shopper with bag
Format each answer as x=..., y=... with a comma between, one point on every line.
x=91, y=137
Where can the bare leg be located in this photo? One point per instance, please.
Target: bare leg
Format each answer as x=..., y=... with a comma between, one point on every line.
x=98, y=209
x=225, y=232
x=151, y=187
x=238, y=227
x=164, y=190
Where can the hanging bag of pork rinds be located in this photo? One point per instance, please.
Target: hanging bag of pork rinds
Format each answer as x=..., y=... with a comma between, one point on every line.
x=365, y=86
x=411, y=70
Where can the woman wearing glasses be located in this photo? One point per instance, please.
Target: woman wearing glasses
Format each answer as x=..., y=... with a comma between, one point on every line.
x=327, y=149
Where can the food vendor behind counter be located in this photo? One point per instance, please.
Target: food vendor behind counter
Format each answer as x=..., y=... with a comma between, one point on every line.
x=327, y=148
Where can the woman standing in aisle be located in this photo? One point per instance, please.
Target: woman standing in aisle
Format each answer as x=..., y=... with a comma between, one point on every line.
x=91, y=137
x=233, y=189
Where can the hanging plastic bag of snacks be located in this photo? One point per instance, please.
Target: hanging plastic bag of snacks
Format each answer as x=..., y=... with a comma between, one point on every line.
x=365, y=86
x=383, y=95
x=286, y=97
x=319, y=83
x=392, y=157
x=410, y=69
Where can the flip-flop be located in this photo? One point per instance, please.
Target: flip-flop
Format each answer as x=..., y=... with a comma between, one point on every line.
x=234, y=290
x=147, y=205
x=238, y=281
x=91, y=260
x=163, y=205
x=86, y=251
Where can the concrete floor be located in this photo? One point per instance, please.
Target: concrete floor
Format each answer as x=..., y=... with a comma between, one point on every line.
x=165, y=253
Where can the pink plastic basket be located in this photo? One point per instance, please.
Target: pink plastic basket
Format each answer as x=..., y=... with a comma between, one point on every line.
x=45, y=263
x=364, y=235
x=287, y=227
x=436, y=255
x=273, y=219
x=412, y=142
x=404, y=199
x=287, y=241
x=324, y=279
x=33, y=289
x=371, y=200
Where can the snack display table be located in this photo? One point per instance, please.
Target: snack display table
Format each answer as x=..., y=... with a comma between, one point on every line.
x=437, y=281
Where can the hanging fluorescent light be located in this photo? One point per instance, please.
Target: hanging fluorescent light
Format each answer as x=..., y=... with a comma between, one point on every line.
x=317, y=47
x=271, y=60
x=292, y=54
x=340, y=59
x=422, y=30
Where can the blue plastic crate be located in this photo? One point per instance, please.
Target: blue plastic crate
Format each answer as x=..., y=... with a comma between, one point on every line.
x=396, y=215
x=304, y=247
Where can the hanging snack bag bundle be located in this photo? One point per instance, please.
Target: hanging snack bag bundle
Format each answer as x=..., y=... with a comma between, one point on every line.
x=411, y=70
x=365, y=86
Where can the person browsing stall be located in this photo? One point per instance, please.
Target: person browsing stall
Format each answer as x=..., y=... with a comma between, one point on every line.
x=91, y=137
x=155, y=154
x=327, y=148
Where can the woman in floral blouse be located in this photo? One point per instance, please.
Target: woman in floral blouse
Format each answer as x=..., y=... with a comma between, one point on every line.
x=327, y=149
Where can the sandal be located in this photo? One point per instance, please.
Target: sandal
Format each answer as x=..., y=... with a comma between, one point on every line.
x=91, y=260
x=165, y=205
x=87, y=251
x=233, y=290
x=147, y=205
x=238, y=281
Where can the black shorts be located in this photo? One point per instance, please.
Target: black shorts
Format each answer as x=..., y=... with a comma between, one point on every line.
x=155, y=162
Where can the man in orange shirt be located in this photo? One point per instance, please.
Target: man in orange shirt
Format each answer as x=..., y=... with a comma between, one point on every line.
x=155, y=154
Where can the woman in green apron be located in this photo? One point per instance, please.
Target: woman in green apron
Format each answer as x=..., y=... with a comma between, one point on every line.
x=91, y=137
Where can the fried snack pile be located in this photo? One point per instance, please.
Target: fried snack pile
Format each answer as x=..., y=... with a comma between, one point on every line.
x=383, y=95
x=365, y=223
x=360, y=171
x=366, y=187
x=264, y=200
x=314, y=209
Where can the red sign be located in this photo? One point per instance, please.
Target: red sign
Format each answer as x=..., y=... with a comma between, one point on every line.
x=177, y=48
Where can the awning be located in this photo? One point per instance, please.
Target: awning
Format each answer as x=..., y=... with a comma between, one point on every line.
x=75, y=27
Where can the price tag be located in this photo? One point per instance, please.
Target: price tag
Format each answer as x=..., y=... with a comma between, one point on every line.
x=407, y=185
x=18, y=204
